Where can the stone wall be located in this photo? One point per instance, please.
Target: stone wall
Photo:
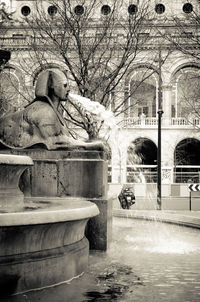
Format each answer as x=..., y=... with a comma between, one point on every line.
x=63, y=173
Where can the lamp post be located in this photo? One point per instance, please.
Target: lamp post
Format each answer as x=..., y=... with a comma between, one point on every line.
x=160, y=113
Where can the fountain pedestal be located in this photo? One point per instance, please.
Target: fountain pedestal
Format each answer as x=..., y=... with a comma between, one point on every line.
x=42, y=241
x=11, y=198
x=77, y=173
x=45, y=244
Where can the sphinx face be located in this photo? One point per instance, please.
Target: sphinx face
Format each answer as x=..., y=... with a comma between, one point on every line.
x=61, y=90
x=53, y=85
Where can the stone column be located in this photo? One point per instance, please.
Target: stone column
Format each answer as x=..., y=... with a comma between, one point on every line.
x=167, y=95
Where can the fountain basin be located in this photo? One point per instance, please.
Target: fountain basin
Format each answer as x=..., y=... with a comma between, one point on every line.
x=44, y=244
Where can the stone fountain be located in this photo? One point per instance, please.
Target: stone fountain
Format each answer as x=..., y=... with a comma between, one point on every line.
x=64, y=184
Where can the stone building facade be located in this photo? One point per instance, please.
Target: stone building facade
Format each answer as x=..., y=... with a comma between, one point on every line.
x=138, y=131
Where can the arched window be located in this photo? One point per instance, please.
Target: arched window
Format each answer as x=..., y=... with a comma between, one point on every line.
x=9, y=91
x=186, y=93
x=141, y=93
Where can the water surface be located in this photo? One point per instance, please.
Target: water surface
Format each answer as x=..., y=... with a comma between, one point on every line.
x=147, y=261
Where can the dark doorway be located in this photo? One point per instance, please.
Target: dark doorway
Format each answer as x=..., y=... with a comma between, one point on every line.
x=141, y=161
x=145, y=151
x=187, y=160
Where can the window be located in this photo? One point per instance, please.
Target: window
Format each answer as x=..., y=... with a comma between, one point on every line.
x=187, y=8
x=105, y=10
x=160, y=8
x=132, y=9
x=79, y=10
x=9, y=91
x=52, y=10
x=142, y=94
x=25, y=11
x=186, y=93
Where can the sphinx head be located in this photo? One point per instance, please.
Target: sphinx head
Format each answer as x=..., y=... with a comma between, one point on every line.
x=51, y=84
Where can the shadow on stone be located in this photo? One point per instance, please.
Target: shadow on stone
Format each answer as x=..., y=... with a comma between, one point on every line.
x=8, y=284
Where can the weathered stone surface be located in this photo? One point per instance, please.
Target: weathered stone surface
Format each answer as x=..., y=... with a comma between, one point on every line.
x=11, y=168
x=99, y=228
x=45, y=244
x=39, y=246
x=77, y=173
x=65, y=173
x=42, y=264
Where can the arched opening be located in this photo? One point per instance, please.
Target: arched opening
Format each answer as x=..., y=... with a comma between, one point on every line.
x=187, y=161
x=10, y=97
x=141, y=161
x=141, y=94
x=186, y=94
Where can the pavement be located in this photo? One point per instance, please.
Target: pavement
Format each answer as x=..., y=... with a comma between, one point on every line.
x=185, y=218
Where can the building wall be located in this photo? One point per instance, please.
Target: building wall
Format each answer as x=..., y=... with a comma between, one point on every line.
x=121, y=138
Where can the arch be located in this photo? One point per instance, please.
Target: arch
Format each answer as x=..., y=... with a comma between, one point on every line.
x=187, y=152
x=136, y=66
x=141, y=161
x=185, y=91
x=187, y=160
x=181, y=64
x=142, y=151
x=11, y=86
x=141, y=92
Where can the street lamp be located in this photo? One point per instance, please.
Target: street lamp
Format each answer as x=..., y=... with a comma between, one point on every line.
x=160, y=113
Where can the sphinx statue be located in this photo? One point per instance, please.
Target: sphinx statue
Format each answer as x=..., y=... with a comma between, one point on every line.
x=40, y=121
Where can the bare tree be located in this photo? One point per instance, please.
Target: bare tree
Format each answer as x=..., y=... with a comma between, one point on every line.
x=95, y=44
x=183, y=36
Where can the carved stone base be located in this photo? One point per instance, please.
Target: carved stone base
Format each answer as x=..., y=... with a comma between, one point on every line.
x=22, y=272
x=11, y=168
x=77, y=173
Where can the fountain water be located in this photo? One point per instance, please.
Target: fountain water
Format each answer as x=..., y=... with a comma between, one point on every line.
x=135, y=268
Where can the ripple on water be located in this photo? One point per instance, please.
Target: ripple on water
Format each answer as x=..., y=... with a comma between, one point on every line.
x=146, y=263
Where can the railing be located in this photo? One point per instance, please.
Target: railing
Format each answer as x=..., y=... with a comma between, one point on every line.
x=132, y=122
x=187, y=174
x=179, y=121
x=148, y=174
x=152, y=122
x=141, y=174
